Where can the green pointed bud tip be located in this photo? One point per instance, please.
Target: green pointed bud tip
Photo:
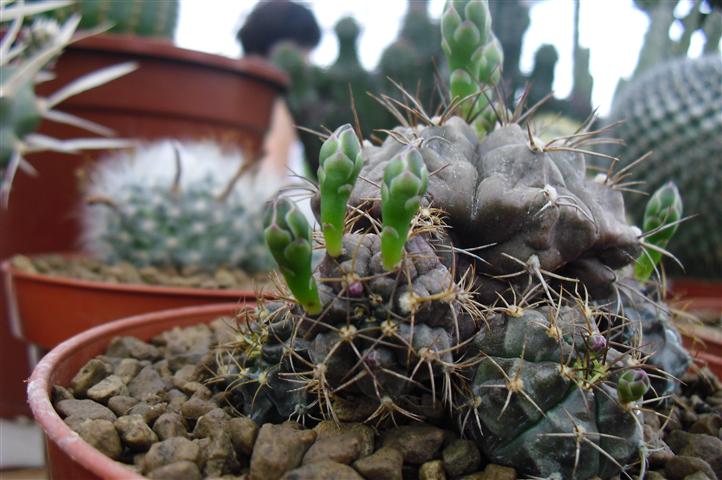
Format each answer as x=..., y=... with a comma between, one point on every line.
x=350, y=143
x=450, y=20
x=467, y=36
x=632, y=385
x=478, y=12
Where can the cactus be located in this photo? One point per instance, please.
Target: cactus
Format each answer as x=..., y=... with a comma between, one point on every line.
x=526, y=408
x=472, y=288
x=339, y=165
x=175, y=208
x=145, y=18
x=675, y=111
x=24, y=53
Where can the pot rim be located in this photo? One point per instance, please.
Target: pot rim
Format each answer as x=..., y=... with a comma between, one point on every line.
x=12, y=272
x=38, y=389
x=119, y=43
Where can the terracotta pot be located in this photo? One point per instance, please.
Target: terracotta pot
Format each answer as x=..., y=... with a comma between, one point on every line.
x=703, y=299
x=705, y=345
x=46, y=310
x=68, y=455
x=174, y=93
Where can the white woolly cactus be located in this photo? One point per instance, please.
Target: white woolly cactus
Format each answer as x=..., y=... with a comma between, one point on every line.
x=171, y=205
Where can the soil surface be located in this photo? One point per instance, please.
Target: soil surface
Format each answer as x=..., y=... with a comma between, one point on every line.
x=141, y=404
x=87, y=268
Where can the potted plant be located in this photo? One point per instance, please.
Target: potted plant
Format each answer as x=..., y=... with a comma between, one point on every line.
x=166, y=225
x=26, y=54
x=145, y=106
x=471, y=303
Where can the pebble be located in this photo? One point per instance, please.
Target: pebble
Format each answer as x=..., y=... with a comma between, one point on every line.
x=102, y=435
x=110, y=386
x=91, y=373
x=169, y=451
x=243, y=434
x=148, y=382
x=183, y=470
x=343, y=443
x=278, y=449
x=384, y=464
x=149, y=412
x=85, y=409
x=170, y=425
x=678, y=467
x=493, y=472
x=135, y=433
x=127, y=368
x=461, y=457
x=709, y=423
x=417, y=443
x=211, y=423
x=121, y=404
x=195, y=407
x=433, y=470
x=60, y=393
x=706, y=447
x=123, y=347
x=326, y=470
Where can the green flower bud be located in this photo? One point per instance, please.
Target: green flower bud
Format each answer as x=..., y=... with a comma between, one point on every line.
x=663, y=211
x=405, y=182
x=288, y=236
x=632, y=385
x=340, y=162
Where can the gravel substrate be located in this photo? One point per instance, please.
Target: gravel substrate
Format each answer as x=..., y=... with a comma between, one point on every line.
x=141, y=405
x=87, y=268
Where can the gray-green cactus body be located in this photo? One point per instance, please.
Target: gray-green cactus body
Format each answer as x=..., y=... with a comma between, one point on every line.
x=531, y=403
x=379, y=336
x=674, y=110
x=146, y=219
x=525, y=205
x=646, y=325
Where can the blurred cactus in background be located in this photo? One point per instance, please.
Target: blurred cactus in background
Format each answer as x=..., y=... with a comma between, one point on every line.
x=674, y=111
x=26, y=51
x=167, y=205
x=145, y=18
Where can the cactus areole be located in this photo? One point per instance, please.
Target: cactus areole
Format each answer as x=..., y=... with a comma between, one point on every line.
x=471, y=276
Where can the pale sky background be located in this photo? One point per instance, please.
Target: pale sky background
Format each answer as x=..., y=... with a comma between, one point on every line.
x=612, y=29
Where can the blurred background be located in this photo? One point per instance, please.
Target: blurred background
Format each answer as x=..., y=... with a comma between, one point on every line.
x=613, y=31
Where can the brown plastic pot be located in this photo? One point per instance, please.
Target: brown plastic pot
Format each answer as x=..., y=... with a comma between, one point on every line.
x=174, y=93
x=46, y=310
x=68, y=456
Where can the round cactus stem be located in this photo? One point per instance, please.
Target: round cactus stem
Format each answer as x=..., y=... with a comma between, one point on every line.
x=288, y=236
x=340, y=162
x=405, y=182
x=661, y=219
